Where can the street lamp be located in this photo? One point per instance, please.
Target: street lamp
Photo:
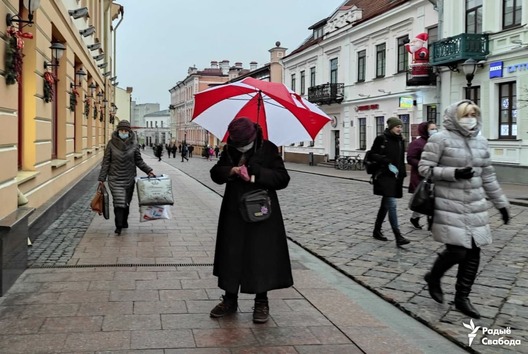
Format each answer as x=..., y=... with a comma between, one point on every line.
x=470, y=67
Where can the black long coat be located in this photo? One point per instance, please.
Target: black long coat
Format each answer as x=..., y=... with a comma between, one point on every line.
x=252, y=256
x=389, y=148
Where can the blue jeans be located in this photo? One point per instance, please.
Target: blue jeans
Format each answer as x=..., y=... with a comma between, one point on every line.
x=388, y=205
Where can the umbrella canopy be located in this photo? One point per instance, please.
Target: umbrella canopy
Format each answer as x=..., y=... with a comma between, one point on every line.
x=285, y=117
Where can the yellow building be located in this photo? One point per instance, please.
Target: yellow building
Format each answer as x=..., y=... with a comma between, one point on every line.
x=57, y=94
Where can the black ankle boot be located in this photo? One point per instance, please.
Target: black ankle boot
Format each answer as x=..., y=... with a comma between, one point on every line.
x=400, y=240
x=416, y=223
x=379, y=236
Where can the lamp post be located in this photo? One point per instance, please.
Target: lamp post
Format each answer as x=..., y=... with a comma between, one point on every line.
x=470, y=68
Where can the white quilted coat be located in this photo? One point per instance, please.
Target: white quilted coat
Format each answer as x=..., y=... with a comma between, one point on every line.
x=461, y=209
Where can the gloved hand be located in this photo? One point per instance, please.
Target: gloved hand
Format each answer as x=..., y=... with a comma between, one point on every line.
x=505, y=215
x=464, y=173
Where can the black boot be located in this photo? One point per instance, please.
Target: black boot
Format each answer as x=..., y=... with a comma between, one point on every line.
x=377, y=234
x=400, y=240
x=467, y=272
x=443, y=263
x=119, y=215
x=416, y=223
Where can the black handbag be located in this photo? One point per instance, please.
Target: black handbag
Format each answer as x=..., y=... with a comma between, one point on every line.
x=255, y=206
x=423, y=199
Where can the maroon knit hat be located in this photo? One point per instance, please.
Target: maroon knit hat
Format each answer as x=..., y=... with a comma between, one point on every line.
x=242, y=131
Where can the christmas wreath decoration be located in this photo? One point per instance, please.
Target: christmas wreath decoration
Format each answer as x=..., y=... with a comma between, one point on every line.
x=49, y=84
x=73, y=99
x=87, y=107
x=14, y=56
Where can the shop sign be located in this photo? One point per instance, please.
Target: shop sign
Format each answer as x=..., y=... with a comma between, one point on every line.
x=366, y=107
x=495, y=69
x=517, y=67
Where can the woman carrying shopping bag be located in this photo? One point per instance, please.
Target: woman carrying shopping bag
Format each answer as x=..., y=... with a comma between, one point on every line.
x=121, y=157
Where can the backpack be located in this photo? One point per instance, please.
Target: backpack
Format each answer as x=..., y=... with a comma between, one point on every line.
x=372, y=166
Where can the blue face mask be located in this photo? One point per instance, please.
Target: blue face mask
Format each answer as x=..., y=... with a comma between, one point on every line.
x=123, y=135
x=432, y=131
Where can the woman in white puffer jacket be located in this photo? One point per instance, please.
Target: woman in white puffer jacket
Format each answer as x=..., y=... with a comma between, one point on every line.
x=459, y=159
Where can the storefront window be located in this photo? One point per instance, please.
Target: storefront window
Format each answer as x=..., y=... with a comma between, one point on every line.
x=508, y=110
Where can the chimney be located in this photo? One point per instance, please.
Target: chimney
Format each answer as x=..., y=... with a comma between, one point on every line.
x=277, y=53
x=214, y=64
x=192, y=70
x=238, y=65
x=224, y=66
x=253, y=65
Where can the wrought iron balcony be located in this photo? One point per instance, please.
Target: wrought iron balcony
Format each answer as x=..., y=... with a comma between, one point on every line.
x=326, y=93
x=421, y=74
x=452, y=50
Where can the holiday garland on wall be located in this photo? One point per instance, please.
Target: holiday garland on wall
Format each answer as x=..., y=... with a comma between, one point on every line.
x=49, y=84
x=73, y=99
x=87, y=107
x=14, y=56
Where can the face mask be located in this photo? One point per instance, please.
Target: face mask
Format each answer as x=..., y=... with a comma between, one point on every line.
x=432, y=131
x=468, y=122
x=123, y=135
x=245, y=148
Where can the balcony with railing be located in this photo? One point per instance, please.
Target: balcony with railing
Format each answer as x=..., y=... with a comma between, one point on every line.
x=326, y=93
x=453, y=50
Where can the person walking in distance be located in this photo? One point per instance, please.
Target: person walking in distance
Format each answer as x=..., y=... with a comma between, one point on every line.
x=414, y=153
x=184, y=152
x=250, y=256
x=388, y=152
x=121, y=157
x=458, y=158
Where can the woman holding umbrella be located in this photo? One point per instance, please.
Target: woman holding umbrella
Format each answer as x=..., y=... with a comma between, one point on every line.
x=252, y=257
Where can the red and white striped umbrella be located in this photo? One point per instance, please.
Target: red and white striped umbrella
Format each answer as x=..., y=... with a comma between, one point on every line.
x=285, y=117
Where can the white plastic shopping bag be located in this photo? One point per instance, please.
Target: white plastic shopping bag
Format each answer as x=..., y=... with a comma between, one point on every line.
x=154, y=190
x=154, y=212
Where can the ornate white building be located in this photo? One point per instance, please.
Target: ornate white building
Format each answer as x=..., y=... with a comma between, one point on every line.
x=356, y=66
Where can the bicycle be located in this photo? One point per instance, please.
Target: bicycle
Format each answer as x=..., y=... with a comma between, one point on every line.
x=358, y=163
x=342, y=163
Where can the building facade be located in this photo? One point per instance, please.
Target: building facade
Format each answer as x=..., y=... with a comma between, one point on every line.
x=482, y=55
x=156, y=129
x=139, y=111
x=357, y=68
x=55, y=102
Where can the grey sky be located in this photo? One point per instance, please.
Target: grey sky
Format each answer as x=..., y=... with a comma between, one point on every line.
x=159, y=39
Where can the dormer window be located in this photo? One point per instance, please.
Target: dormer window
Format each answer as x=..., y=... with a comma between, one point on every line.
x=317, y=32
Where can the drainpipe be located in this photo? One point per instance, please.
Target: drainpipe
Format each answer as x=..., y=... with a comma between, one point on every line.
x=439, y=7
x=122, y=12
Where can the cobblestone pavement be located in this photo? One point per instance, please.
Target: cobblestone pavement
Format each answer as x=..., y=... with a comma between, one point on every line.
x=56, y=245
x=333, y=219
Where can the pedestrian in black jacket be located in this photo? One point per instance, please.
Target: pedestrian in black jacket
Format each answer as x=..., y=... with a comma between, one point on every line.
x=250, y=256
x=388, y=152
x=121, y=157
